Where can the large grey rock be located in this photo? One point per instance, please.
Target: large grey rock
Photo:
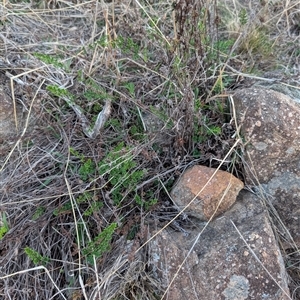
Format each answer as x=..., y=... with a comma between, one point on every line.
x=270, y=124
x=283, y=192
x=225, y=263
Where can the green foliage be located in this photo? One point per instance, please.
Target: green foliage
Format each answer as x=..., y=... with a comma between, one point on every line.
x=114, y=123
x=214, y=130
x=45, y=183
x=177, y=65
x=4, y=228
x=100, y=244
x=94, y=91
x=259, y=43
x=94, y=207
x=137, y=132
x=67, y=207
x=96, y=108
x=243, y=17
x=39, y=212
x=87, y=168
x=37, y=258
x=103, y=41
x=222, y=82
x=127, y=45
x=220, y=51
x=122, y=172
x=87, y=171
x=88, y=205
x=205, y=131
x=224, y=46
x=59, y=92
x=52, y=60
x=132, y=232
x=205, y=128
x=256, y=42
x=147, y=204
x=218, y=87
x=130, y=87
x=3, y=231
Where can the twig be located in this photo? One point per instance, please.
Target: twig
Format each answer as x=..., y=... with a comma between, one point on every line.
x=86, y=126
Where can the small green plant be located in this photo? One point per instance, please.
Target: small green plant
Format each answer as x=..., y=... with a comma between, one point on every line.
x=53, y=60
x=219, y=52
x=128, y=46
x=36, y=258
x=67, y=207
x=87, y=168
x=243, y=17
x=218, y=86
x=94, y=207
x=133, y=231
x=204, y=131
x=131, y=88
x=45, y=183
x=114, y=123
x=57, y=91
x=4, y=228
x=137, y=132
x=147, y=204
x=89, y=206
x=94, y=90
x=122, y=172
x=100, y=244
x=257, y=42
x=93, y=204
x=214, y=130
x=39, y=212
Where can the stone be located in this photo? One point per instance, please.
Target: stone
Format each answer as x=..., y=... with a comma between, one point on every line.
x=212, y=196
x=287, y=90
x=283, y=192
x=270, y=125
x=226, y=261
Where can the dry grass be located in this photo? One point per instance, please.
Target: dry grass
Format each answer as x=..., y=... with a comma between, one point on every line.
x=168, y=77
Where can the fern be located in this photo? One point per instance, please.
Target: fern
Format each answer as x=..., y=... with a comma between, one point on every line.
x=100, y=244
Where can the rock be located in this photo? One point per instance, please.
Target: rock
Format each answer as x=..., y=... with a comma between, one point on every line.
x=166, y=256
x=270, y=123
x=271, y=126
x=222, y=265
x=213, y=199
x=287, y=90
x=283, y=191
